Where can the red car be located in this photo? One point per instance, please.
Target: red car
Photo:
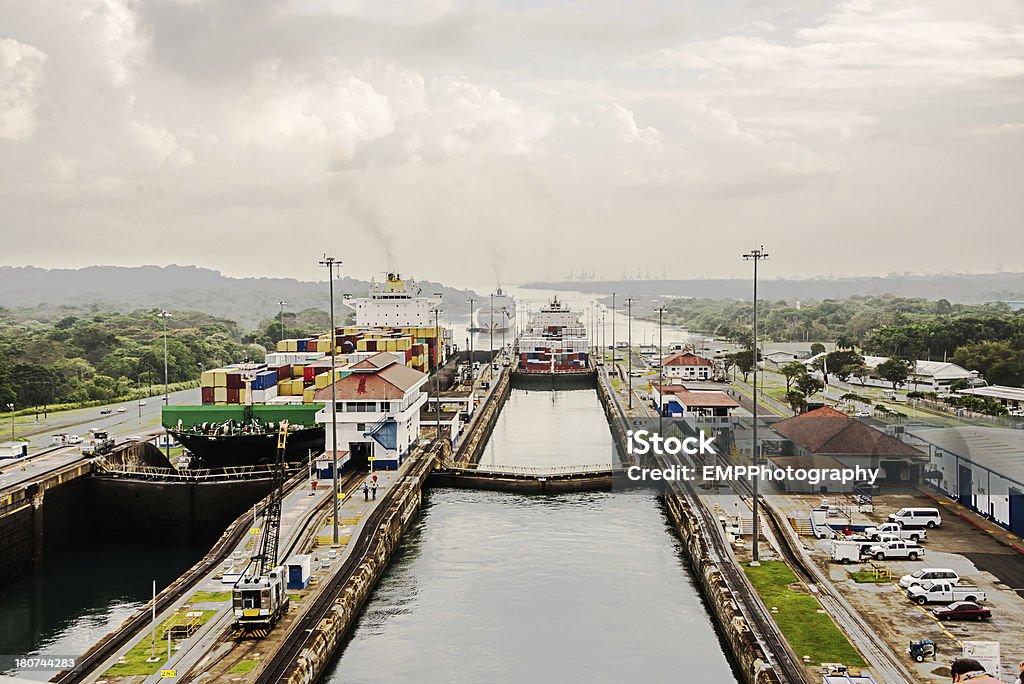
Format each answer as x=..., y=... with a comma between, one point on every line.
x=962, y=610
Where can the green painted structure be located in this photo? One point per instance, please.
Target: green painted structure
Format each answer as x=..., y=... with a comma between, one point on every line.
x=295, y=414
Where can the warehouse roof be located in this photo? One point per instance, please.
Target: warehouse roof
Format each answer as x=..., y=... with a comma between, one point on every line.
x=931, y=369
x=996, y=392
x=998, y=449
x=827, y=431
x=686, y=359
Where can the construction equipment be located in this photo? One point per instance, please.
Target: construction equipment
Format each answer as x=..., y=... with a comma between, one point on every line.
x=259, y=598
x=919, y=650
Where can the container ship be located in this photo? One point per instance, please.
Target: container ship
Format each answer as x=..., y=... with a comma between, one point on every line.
x=554, y=341
x=498, y=314
x=242, y=404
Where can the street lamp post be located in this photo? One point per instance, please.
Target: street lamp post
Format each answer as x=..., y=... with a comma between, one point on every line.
x=472, y=371
x=164, y=315
x=437, y=389
x=629, y=346
x=755, y=255
x=661, y=369
x=331, y=264
x=10, y=407
x=281, y=316
x=491, y=362
x=613, y=329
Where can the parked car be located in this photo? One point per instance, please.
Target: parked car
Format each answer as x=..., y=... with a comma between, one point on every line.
x=962, y=610
x=895, y=529
x=74, y=439
x=105, y=411
x=862, y=414
x=917, y=517
x=121, y=409
x=896, y=549
x=929, y=575
x=944, y=592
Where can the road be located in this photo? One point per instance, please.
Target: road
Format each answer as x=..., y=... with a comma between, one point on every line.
x=119, y=425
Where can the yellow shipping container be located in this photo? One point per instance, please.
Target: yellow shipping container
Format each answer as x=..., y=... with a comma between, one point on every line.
x=206, y=379
x=323, y=346
x=220, y=379
x=220, y=394
x=291, y=345
x=282, y=345
x=284, y=388
x=241, y=395
x=297, y=371
x=320, y=381
x=307, y=395
x=220, y=403
x=361, y=346
x=404, y=344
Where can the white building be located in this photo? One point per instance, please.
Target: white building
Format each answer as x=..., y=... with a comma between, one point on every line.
x=395, y=303
x=687, y=366
x=981, y=467
x=378, y=412
x=1010, y=397
x=925, y=376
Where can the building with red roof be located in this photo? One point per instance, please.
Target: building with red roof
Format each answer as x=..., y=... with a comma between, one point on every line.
x=687, y=366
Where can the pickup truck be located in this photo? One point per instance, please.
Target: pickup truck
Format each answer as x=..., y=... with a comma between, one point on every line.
x=896, y=549
x=897, y=530
x=944, y=592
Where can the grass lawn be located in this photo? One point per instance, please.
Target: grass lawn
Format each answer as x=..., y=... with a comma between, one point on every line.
x=294, y=597
x=243, y=667
x=809, y=632
x=866, y=577
x=135, y=659
x=210, y=597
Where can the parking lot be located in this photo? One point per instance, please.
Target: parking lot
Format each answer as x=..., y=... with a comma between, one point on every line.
x=975, y=555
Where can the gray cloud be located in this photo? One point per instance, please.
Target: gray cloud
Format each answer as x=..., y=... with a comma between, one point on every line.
x=252, y=135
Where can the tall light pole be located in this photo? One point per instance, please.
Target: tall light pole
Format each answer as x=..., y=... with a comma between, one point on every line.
x=629, y=346
x=613, y=329
x=490, y=364
x=331, y=264
x=10, y=407
x=437, y=389
x=164, y=315
x=472, y=371
x=755, y=255
x=281, y=304
x=661, y=381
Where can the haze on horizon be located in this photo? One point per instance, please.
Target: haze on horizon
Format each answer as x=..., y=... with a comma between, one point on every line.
x=467, y=142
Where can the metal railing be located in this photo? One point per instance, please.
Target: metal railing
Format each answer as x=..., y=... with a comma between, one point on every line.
x=533, y=471
x=204, y=474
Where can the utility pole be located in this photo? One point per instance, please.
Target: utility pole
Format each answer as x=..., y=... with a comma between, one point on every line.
x=613, y=329
x=755, y=255
x=472, y=371
x=331, y=264
x=629, y=346
x=490, y=363
x=281, y=304
x=661, y=381
x=164, y=315
x=437, y=389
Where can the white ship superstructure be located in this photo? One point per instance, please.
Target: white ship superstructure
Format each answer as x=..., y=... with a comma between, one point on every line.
x=498, y=313
x=554, y=329
x=394, y=303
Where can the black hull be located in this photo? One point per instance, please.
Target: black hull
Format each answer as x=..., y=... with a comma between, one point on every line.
x=241, y=450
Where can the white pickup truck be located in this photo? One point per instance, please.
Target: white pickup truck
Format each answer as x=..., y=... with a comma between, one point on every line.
x=896, y=529
x=896, y=549
x=944, y=592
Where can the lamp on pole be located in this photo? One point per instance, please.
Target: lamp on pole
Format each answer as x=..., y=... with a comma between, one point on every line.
x=613, y=329
x=163, y=316
x=331, y=264
x=281, y=315
x=10, y=407
x=629, y=346
x=437, y=389
x=661, y=369
x=755, y=255
x=472, y=371
x=491, y=362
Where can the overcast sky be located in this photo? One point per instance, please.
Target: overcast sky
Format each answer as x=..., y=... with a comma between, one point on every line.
x=468, y=141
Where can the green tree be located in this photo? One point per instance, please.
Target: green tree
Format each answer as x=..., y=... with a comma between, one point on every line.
x=817, y=348
x=842, y=364
x=809, y=385
x=895, y=371
x=792, y=370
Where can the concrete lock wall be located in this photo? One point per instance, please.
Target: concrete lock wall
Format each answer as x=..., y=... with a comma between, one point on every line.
x=408, y=497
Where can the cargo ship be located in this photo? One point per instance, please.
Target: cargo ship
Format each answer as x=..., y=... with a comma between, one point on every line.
x=554, y=341
x=243, y=403
x=498, y=315
x=226, y=436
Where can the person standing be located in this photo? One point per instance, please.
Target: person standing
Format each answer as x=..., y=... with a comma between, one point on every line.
x=366, y=492
x=374, y=491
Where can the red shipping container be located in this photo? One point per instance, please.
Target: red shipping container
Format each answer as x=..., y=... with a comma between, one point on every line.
x=232, y=395
x=207, y=394
x=235, y=382
x=284, y=372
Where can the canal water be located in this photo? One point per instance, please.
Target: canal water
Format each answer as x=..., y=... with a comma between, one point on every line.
x=81, y=595
x=496, y=587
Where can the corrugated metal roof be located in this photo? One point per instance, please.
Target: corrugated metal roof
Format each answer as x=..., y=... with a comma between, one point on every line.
x=998, y=449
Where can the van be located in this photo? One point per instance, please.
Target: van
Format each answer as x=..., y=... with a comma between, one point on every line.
x=927, y=575
x=917, y=517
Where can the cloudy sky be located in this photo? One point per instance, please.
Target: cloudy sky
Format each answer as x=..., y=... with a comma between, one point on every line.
x=465, y=141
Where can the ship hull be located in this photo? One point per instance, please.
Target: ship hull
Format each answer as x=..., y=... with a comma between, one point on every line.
x=223, y=451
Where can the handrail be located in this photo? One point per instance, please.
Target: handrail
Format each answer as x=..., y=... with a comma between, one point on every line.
x=230, y=472
x=533, y=470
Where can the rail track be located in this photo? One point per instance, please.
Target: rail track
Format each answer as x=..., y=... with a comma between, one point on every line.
x=117, y=640
x=280, y=664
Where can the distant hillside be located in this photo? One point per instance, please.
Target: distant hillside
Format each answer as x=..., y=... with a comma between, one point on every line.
x=963, y=288
x=244, y=300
